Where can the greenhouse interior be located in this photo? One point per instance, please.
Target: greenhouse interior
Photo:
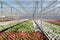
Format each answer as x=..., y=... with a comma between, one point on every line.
x=29, y=19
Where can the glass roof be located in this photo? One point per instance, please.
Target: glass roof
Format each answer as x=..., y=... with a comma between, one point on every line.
x=28, y=7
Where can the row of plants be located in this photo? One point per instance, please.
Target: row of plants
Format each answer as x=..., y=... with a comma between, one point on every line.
x=26, y=26
x=56, y=23
x=8, y=25
x=52, y=28
x=52, y=25
x=24, y=31
x=22, y=36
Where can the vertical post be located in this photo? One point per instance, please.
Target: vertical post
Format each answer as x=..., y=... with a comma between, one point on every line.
x=41, y=13
x=35, y=10
x=1, y=9
x=16, y=14
x=11, y=14
x=19, y=15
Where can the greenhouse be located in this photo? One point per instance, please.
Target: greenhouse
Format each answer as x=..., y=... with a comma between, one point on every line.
x=29, y=19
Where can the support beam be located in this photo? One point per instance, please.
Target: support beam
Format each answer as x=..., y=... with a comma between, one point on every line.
x=12, y=7
x=49, y=7
x=20, y=5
